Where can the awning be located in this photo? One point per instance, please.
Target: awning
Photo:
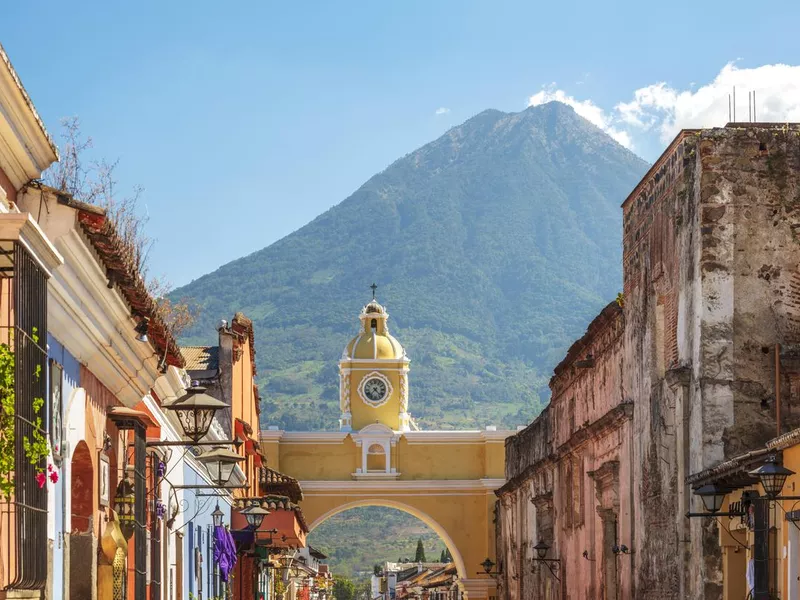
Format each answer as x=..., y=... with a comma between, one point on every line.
x=243, y=430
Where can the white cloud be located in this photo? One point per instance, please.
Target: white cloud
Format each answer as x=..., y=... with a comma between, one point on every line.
x=666, y=110
x=660, y=110
x=585, y=108
x=442, y=111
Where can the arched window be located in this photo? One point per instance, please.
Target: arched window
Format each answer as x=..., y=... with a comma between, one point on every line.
x=376, y=458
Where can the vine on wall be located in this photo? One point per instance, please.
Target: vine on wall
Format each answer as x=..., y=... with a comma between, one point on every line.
x=6, y=420
x=35, y=447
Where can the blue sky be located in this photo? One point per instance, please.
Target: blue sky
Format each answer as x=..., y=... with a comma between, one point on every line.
x=245, y=120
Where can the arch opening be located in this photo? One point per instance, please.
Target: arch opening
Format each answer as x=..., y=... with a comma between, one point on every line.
x=442, y=534
x=82, y=544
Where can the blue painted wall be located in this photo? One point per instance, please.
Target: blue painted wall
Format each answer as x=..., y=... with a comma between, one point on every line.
x=71, y=380
x=198, y=536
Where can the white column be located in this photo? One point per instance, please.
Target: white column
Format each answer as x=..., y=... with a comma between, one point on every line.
x=793, y=589
x=364, y=449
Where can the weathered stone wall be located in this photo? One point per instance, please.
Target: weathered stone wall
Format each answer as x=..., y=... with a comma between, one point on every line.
x=709, y=259
x=686, y=380
x=657, y=217
x=565, y=484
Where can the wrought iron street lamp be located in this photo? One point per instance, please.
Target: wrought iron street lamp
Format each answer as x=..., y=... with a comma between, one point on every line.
x=541, y=556
x=195, y=411
x=772, y=477
x=488, y=565
x=220, y=463
x=254, y=515
x=217, y=516
x=713, y=496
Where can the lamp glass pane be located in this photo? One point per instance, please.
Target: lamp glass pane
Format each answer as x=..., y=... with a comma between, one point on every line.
x=225, y=472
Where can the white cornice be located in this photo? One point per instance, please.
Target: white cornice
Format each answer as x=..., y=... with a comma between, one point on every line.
x=312, y=437
x=412, y=437
x=271, y=435
x=21, y=227
x=26, y=149
x=430, y=487
x=401, y=368
x=457, y=437
x=374, y=361
x=91, y=320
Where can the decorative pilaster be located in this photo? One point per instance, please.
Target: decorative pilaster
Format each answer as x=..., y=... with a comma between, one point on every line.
x=346, y=420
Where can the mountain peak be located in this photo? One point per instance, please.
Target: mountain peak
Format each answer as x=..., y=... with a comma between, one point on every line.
x=510, y=217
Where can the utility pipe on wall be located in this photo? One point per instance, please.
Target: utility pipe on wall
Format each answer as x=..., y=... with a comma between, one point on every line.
x=778, y=389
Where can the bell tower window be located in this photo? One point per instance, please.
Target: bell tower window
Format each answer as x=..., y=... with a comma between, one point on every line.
x=374, y=324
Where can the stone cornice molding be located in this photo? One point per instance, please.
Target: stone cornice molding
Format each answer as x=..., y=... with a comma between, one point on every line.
x=526, y=475
x=606, y=483
x=543, y=502
x=610, y=421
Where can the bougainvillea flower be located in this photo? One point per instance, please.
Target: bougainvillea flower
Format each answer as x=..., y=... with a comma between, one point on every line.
x=41, y=479
x=54, y=476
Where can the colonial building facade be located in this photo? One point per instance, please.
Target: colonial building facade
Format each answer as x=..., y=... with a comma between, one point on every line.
x=710, y=296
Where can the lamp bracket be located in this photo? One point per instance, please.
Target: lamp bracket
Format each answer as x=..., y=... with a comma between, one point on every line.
x=184, y=443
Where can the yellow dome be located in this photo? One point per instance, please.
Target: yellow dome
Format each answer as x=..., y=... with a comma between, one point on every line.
x=371, y=345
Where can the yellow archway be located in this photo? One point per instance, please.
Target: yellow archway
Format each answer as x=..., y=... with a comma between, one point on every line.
x=379, y=457
x=445, y=478
x=406, y=508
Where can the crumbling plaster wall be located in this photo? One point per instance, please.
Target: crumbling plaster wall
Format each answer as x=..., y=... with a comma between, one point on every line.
x=564, y=472
x=702, y=319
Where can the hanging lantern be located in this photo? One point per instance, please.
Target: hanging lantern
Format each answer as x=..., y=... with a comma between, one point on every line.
x=217, y=516
x=124, y=502
x=220, y=463
x=487, y=565
x=195, y=411
x=772, y=476
x=541, y=549
x=712, y=495
x=254, y=515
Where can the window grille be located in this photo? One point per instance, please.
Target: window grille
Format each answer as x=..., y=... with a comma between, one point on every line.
x=23, y=329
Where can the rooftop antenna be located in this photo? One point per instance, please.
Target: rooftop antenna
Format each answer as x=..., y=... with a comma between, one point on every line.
x=754, y=107
x=729, y=108
x=734, y=104
x=749, y=107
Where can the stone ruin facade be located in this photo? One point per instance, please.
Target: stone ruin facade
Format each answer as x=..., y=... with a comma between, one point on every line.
x=678, y=379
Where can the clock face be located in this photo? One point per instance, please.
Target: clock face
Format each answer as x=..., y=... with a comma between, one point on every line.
x=374, y=389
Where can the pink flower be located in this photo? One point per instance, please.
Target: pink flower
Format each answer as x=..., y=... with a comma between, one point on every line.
x=50, y=468
x=41, y=479
x=54, y=476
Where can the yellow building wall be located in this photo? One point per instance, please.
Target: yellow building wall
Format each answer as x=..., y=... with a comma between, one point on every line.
x=463, y=521
x=309, y=461
x=441, y=461
x=320, y=462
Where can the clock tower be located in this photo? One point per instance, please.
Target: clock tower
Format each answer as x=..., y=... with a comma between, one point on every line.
x=373, y=375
